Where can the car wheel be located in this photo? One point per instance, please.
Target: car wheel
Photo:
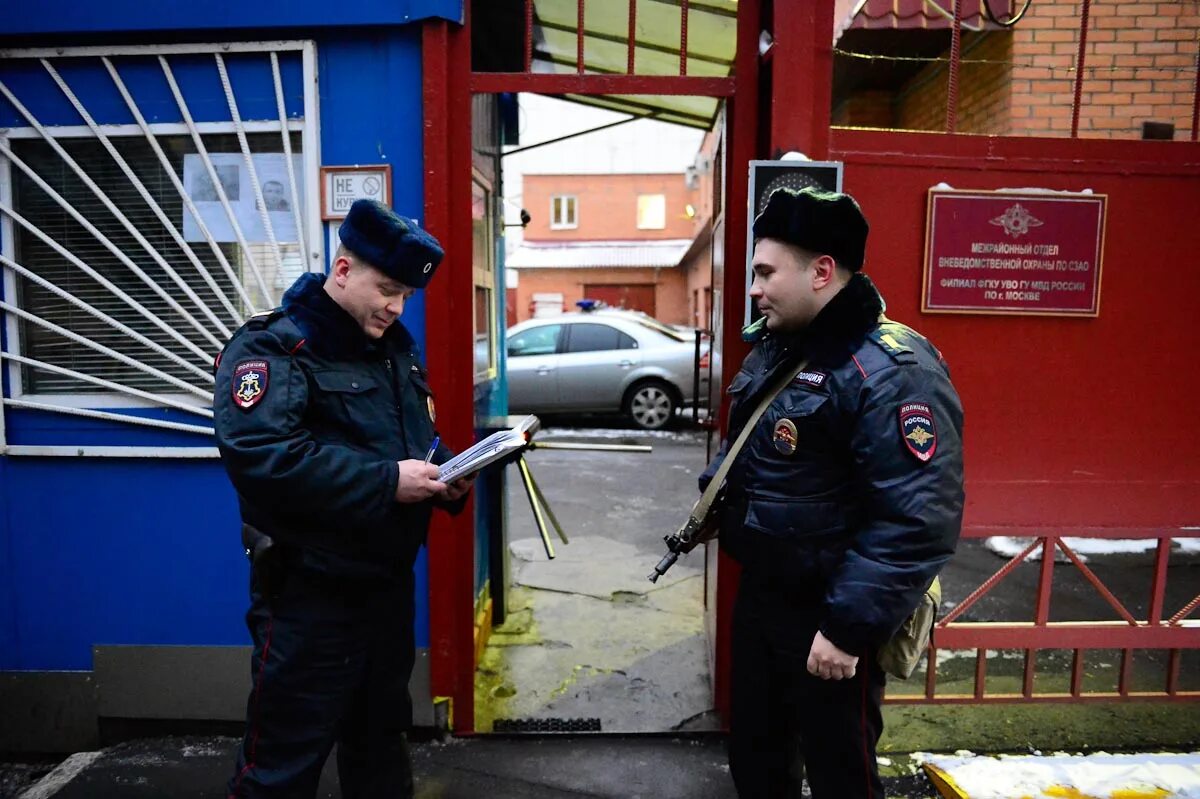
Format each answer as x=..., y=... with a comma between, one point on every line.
x=651, y=405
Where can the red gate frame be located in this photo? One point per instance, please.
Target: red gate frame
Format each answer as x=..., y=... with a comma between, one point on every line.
x=794, y=122
x=1128, y=635
x=447, y=86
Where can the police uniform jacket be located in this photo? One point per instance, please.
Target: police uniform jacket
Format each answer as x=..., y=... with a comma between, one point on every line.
x=311, y=416
x=849, y=490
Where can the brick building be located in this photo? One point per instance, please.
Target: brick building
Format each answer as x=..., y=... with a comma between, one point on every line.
x=616, y=238
x=697, y=262
x=1140, y=63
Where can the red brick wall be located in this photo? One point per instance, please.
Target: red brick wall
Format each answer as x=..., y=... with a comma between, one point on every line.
x=983, y=97
x=866, y=109
x=697, y=262
x=1140, y=65
x=670, y=291
x=697, y=270
x=607, y=206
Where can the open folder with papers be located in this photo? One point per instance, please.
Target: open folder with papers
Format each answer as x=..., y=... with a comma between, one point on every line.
x=489, y=450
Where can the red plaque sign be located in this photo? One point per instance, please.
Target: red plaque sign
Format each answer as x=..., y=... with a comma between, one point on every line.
x=1013, y=252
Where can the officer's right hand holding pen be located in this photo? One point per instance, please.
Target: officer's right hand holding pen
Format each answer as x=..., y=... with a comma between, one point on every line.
x=418, y=481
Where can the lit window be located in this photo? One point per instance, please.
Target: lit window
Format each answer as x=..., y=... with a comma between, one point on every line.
x=651, y=211
x=563, y=212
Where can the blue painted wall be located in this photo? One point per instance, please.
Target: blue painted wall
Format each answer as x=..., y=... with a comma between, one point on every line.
x=124, y=551
x=9, y=642
x=119, y=552
x=82, y=16
x=250, y=75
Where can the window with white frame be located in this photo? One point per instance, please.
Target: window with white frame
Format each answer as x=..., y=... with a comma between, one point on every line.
x=131, y=252
x=651, y=211
x=564, y=212
x=216, y=304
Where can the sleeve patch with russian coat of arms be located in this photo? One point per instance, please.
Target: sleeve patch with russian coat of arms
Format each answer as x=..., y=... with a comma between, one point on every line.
x=917, y=430
x=249, y=385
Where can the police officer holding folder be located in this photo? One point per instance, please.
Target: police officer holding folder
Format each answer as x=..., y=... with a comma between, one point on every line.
x=325, y=423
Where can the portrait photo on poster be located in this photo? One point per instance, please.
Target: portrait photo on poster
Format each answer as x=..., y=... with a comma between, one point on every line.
x=236, y=183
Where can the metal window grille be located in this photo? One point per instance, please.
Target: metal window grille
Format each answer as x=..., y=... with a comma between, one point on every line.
x=132, y=251
x=40, y=257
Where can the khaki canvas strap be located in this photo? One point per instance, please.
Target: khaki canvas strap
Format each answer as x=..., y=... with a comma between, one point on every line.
x=700, y=511
x=696, y=528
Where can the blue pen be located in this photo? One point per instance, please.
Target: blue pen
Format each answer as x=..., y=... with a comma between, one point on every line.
x=433, y=448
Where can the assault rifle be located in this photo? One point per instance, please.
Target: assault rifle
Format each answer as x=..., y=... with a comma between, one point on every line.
x=702, y=525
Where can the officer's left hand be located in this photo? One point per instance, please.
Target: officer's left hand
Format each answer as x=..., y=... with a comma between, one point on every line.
x=456, y=489
x=828, y=662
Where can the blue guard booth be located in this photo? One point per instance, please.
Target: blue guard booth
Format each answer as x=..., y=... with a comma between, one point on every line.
x=161, y=180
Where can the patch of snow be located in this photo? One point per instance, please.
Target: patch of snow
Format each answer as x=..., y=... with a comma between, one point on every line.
x=66, y=771
x=944, y=655
x=1010, y=546
x=686, y=436
x=1099, y=774
x=203, y=750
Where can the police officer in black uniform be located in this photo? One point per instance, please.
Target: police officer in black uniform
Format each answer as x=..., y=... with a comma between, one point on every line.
x=323, y=418
x=841, y=507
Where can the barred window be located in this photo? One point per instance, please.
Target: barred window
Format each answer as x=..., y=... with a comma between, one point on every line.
x=224, y=288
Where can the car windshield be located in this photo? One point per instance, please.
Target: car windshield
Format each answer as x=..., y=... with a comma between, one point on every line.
x=646, y=320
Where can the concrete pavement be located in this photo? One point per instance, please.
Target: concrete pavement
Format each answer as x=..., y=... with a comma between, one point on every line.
x=543, y=767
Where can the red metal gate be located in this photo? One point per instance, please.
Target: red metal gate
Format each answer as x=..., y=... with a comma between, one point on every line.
x=1075, y=426
x=449, y=83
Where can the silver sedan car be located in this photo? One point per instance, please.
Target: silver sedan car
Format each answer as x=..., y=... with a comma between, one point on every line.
x=604, y=361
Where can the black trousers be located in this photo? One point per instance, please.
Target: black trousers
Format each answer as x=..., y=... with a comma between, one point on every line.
x=331, y=664
x=783, y=716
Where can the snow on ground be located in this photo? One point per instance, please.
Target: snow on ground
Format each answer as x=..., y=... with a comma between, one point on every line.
x=615, y=433
x=1009, y=546
x=1100, y=775
x=946, y=655
x=1189, y=544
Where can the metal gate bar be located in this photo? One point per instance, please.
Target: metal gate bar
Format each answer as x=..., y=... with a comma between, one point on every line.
x=1129, y=635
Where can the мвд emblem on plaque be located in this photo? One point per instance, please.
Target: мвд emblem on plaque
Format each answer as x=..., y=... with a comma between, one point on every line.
x=917, y=430
x=785, y=436
x=249, y=383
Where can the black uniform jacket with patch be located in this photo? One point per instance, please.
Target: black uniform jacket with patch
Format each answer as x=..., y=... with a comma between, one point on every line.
x=311, y=417
x=850, y=488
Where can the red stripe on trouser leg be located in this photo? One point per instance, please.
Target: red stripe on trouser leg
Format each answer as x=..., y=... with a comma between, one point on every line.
x=867, y=754
x=256, y=726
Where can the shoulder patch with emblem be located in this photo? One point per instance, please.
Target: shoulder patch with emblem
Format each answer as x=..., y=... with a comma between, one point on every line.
x=917, y=430
x=784, y=437
x=811, y=378
x=249, y=384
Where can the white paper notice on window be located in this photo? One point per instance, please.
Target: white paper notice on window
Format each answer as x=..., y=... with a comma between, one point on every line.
x=234, y=177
